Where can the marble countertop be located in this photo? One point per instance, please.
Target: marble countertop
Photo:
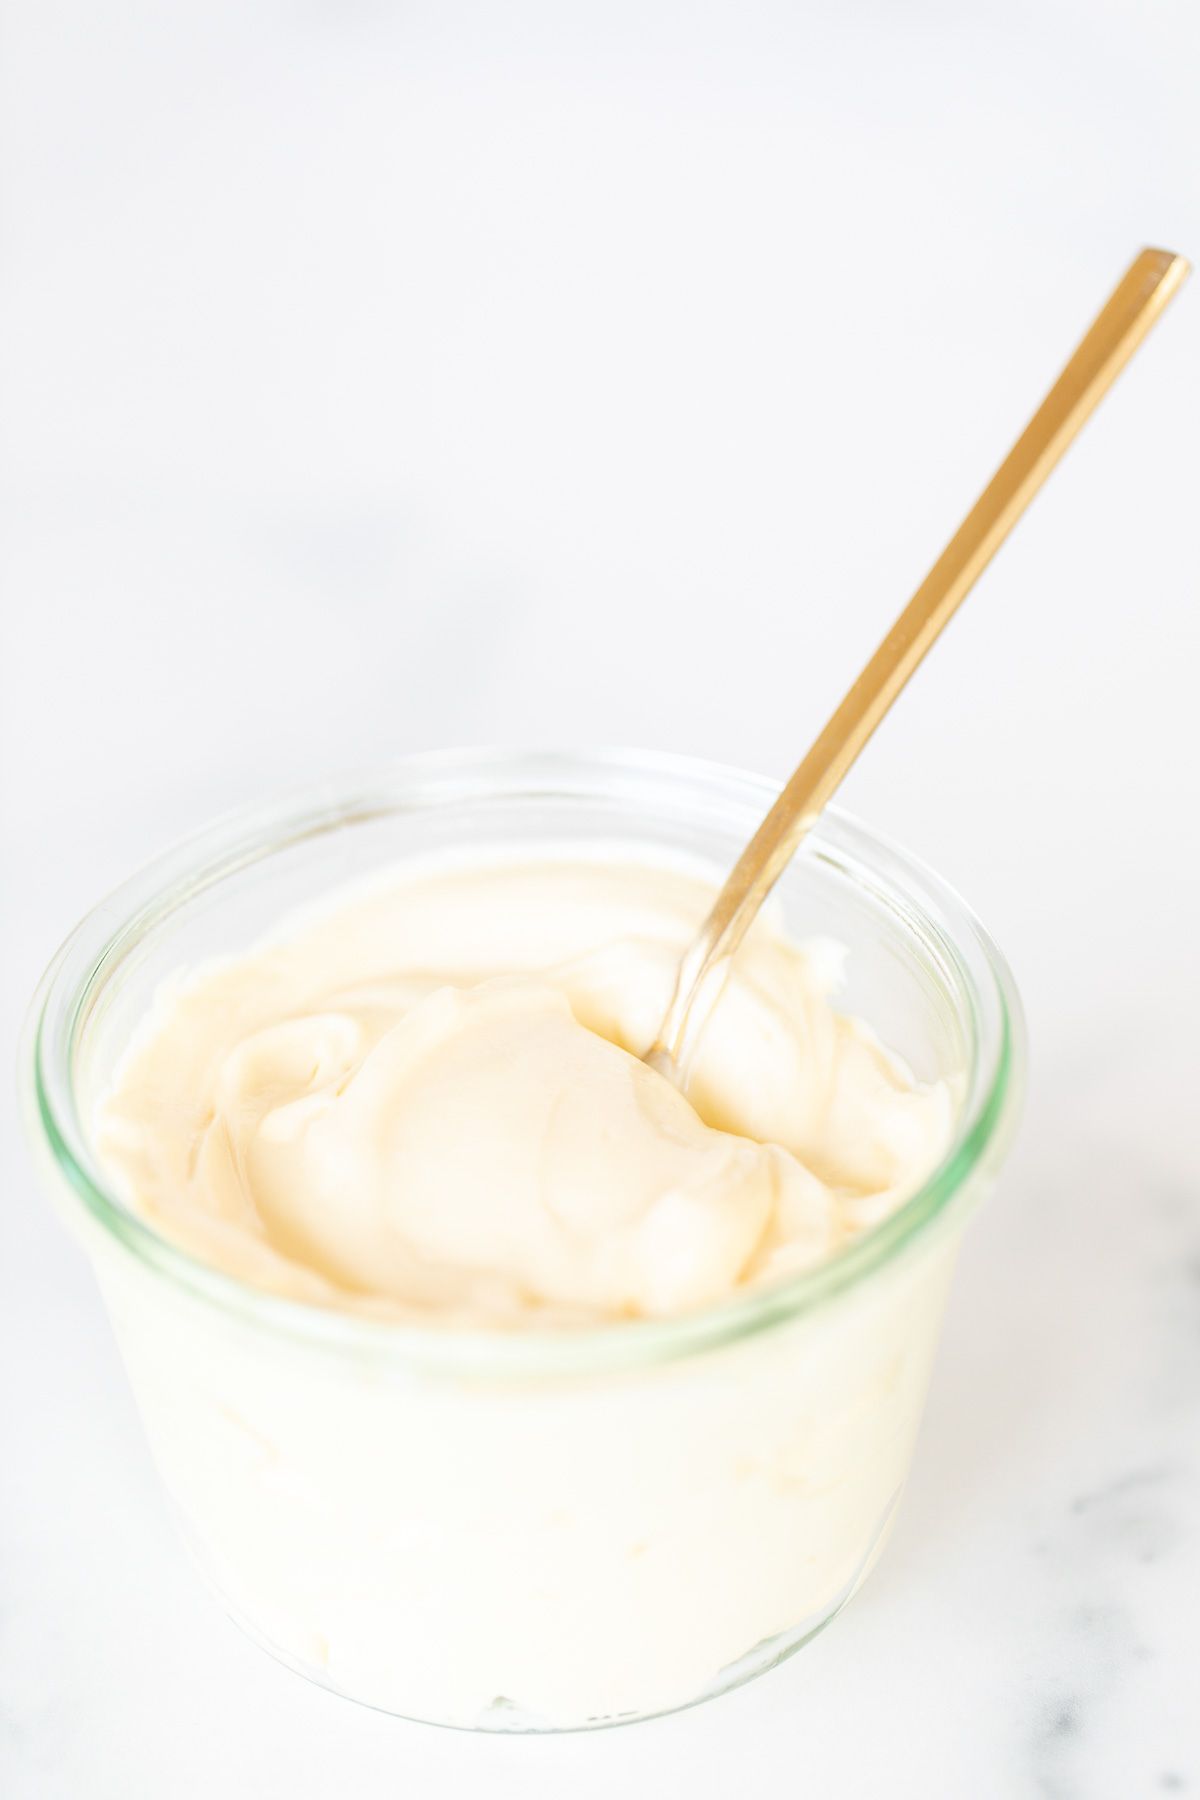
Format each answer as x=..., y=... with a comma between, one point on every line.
x=394, y=378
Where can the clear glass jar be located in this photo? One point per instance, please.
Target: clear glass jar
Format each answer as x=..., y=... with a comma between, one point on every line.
x=528, y=1532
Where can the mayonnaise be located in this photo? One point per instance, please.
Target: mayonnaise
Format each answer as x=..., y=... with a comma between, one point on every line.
x=429, y=1102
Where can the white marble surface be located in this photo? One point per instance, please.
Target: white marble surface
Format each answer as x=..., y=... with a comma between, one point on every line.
x=385, y=376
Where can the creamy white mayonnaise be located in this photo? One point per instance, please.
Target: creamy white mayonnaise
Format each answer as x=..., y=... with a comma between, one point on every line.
x=428, y=1102
x=424, y=1105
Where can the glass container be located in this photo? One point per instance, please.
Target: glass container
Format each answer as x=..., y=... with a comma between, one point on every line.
x=533, y=1531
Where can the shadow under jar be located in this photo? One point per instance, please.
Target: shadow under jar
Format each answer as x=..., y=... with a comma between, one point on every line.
x=548, y=1530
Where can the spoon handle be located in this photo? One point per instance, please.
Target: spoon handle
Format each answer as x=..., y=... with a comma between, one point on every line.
x=1135, y=303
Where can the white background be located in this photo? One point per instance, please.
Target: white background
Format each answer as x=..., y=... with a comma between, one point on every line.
x=384, y=376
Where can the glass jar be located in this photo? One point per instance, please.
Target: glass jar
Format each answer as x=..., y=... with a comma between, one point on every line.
x=546, y=1530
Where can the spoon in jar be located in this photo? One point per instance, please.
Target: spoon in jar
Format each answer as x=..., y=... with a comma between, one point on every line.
x=1149, y=283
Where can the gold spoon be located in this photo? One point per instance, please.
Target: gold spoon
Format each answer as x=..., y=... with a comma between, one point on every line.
x=1151, y=280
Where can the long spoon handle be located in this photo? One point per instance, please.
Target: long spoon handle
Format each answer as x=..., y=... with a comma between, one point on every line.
x=1132, y=308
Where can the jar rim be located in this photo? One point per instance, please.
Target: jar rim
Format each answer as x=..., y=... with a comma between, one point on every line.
x=932, y=911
